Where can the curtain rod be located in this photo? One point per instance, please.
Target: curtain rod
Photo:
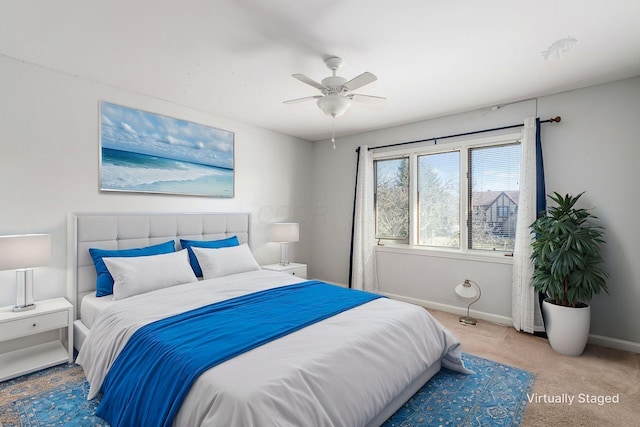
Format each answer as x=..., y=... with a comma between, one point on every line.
x=435, y=139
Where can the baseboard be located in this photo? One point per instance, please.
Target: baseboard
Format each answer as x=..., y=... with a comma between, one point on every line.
x=493, y=318
x=603, y=341
x=616, y=343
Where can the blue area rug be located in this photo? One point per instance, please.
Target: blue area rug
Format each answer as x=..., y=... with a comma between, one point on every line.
x=494, y=396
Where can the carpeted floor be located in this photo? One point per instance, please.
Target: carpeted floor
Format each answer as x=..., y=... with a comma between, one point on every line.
x=496, y=395
x=599, y=373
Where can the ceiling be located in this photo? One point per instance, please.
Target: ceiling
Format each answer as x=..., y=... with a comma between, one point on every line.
x=234, y=58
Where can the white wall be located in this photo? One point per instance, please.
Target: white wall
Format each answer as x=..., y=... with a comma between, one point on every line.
x=49, y=148
x=595, y=149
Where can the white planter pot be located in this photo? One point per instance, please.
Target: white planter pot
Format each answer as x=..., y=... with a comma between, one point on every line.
x=567, y=327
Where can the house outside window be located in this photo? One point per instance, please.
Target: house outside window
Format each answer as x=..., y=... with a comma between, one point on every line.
x=457, y=196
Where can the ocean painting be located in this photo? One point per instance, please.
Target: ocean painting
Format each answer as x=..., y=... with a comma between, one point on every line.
x=152, y=153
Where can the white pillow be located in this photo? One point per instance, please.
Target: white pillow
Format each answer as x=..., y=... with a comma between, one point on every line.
x=137, y=275
x=225, y=261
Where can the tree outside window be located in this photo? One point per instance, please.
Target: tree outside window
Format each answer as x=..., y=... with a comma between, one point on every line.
x=439, y=199
x=392, y=198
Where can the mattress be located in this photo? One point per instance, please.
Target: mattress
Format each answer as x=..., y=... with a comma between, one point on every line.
x=92, y=306
x=344, y=370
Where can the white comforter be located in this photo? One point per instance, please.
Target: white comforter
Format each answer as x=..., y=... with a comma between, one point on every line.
x=339, y=372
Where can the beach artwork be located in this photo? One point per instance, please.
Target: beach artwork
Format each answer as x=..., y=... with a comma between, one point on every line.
x=152, y=153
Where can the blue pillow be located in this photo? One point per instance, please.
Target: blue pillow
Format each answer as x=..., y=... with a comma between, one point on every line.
x=215, y=244
x=104, y=283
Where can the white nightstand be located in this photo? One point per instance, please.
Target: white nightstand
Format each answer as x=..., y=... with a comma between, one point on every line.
x=293, y=268
x=20, y=352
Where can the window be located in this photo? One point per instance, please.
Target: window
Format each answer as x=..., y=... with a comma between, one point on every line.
x=494, y=186
x=458, y=196
x=392, y=199
x=439, y=199
x=503, y=211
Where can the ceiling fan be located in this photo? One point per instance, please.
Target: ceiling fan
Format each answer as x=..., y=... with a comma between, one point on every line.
x=337, y=91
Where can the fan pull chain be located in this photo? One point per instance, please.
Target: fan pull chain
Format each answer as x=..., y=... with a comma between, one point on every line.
x=333, y=131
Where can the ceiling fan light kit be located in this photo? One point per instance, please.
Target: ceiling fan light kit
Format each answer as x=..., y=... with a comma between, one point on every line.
x=334, y=105
x=336, y=91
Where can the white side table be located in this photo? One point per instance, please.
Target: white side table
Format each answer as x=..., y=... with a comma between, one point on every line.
x=18, y=354
x=293, y=268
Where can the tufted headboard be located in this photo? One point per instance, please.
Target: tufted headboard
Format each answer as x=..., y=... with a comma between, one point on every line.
x=124, y=231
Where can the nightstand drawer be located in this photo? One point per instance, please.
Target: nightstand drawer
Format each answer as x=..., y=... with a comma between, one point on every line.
x=298, y=271
x=33, y=325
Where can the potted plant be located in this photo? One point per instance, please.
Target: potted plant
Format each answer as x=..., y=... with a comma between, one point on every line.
x=567, y=268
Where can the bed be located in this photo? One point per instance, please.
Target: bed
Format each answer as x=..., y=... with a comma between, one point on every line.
x=354, y=368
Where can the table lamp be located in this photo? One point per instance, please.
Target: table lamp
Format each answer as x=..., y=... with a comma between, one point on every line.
x=22, y=253
x=465, y=290
x=284, y=233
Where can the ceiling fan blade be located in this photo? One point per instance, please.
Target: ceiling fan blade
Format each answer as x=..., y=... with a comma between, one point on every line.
x=306, y=98
x=368, y=99
x=307, y=80
x=361, y=80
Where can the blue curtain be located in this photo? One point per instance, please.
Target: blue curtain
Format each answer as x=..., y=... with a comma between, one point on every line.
x=541, y=194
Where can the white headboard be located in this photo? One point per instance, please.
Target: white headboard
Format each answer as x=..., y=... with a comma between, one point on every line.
x=124, y=231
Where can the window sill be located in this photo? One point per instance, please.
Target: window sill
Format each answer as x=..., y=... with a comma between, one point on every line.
x=497, y=257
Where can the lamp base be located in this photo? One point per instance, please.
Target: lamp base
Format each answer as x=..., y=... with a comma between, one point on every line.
x=24, y=290
x=469, y=321
x=284, y=254
x=24, y=307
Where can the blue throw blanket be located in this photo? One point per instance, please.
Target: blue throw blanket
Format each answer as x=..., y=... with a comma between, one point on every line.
x=154, y=372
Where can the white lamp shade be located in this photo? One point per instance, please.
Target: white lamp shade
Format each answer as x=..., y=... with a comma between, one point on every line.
x=466, y=290
x=24, y=251
x=334, y=105
x=285, y=232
